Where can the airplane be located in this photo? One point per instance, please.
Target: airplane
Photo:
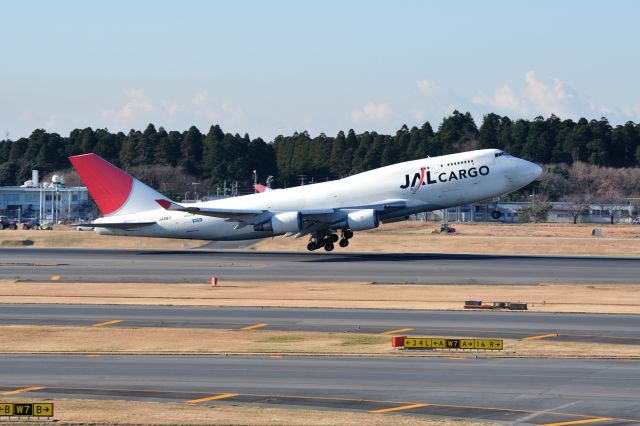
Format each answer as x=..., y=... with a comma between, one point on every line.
x=327, y=212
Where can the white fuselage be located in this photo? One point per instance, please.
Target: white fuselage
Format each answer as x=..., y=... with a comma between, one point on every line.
x=448, y=181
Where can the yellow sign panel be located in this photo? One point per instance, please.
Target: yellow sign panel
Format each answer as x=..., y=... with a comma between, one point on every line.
x=416, y=342
x=439, y=343
x=44, y=409
x=6, y=409
x=492, y=345
x=467, y=344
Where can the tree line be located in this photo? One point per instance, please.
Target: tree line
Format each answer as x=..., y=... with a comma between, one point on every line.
x=171, y=160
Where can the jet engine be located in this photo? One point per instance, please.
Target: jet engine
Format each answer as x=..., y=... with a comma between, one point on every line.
x=359, y=220
x=281, y=223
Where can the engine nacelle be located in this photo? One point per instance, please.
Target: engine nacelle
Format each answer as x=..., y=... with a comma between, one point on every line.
x=281, y=223
x=359, y=220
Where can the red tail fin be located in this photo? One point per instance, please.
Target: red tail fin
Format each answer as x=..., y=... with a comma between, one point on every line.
x=109, y=186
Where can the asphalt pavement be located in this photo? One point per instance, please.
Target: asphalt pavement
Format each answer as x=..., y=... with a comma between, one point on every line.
x=513, y=391
x=184, y=266
x=600, y=328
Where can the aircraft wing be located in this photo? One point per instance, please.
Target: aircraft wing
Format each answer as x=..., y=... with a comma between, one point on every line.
x=311, y=217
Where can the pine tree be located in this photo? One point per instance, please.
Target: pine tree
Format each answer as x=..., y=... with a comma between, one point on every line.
x=191, y=149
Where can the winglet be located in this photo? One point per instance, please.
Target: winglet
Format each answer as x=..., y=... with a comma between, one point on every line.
x=170, y=205
x=164, y=203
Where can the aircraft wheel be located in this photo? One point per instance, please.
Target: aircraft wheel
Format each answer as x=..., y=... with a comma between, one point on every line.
x=347, y=234
x=311, y=246
x=344, y=242
x=333, y=238
x=328, y=246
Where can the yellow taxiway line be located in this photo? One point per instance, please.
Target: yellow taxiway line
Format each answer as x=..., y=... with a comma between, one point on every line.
x=100, y=324
x=23, y=390
x=404, y=407
x=254, y=326
x=400, y=330
x=578, y=422
x=542, y=336
x=213, y=398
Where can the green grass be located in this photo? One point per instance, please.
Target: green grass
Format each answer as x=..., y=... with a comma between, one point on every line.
x=282, y=339
x=364, y=340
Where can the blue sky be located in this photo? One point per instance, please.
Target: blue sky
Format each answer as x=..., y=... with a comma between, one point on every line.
x=275, y=67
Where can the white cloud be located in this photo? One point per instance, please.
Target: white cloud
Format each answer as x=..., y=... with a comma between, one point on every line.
x=172, y=109
x=631, y=112
x=505, y=98
x=134, y=93
x=232, y=111
x=200, y=98
x=550, y=98
x=54, y=121
x=425, y=86
x=538, y=97
x=137, y=106
x=418, y=114
x=372, y=113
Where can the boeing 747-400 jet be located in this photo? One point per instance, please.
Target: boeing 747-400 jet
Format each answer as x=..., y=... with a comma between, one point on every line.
x=327, y=212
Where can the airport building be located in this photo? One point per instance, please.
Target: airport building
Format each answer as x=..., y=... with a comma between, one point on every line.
x=46, y=202
x=511, y=212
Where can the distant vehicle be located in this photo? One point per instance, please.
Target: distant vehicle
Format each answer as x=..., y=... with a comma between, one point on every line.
x=636, y=221
x=327, y=212
x=46, y=226
x=5, y=223
x=30, y=223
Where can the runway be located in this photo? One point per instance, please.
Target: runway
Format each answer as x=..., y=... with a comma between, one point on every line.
x=522, y=391
x=165, y=266
x=612, y=329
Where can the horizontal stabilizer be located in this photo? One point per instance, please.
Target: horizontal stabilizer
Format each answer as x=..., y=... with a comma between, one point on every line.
x=117, y=225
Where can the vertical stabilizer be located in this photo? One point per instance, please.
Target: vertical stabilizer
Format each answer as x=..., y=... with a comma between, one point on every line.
x=114, y=191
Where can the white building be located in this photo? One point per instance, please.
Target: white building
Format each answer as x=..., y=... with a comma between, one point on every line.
x=46, y=203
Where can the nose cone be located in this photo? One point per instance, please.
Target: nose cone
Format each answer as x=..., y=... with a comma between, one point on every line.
x=522, y=172
x=534, y=170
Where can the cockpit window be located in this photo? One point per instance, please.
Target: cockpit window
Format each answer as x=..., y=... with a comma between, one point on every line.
x=500, y=154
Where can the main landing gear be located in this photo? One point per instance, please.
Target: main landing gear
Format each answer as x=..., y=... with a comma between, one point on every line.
x=328, y=239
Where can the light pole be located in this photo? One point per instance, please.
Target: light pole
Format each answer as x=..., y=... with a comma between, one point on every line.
x=195, y=190
x=255, y=181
